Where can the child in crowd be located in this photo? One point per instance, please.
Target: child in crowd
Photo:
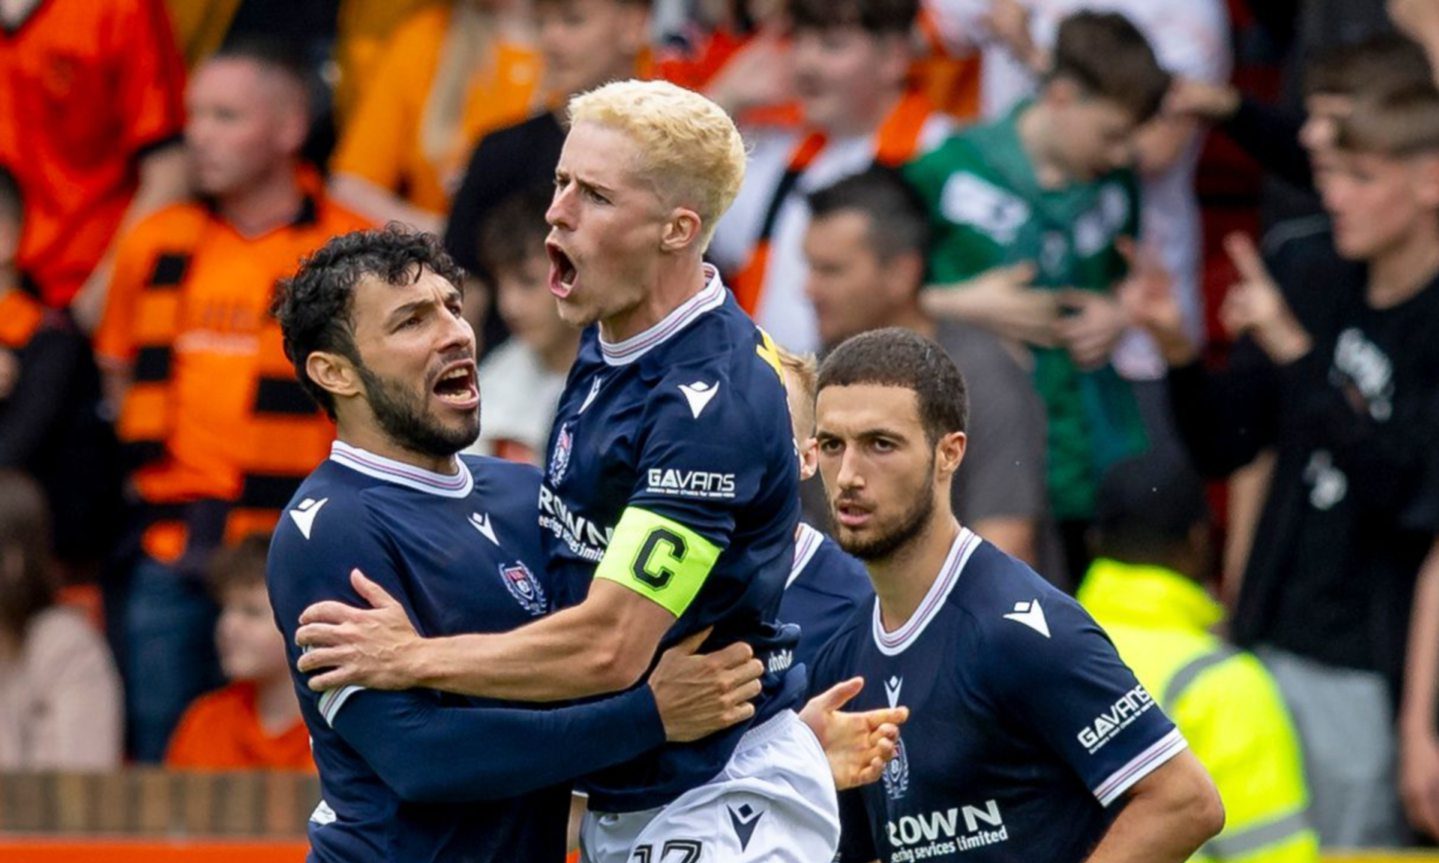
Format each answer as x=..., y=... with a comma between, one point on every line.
x=253, y=722
x=1049, y=191
x=522, y=380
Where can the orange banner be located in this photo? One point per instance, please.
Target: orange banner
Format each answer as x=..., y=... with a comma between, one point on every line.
x=41, y=850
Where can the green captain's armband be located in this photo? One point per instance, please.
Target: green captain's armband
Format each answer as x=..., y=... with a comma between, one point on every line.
x=658, y=558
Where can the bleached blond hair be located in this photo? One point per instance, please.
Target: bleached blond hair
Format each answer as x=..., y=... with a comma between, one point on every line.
x=690, y=148
x=801, y=373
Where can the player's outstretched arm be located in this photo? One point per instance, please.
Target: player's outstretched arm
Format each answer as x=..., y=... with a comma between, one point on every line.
x=858, y=745
x=602, y=645
x=688, y=696
x=1167, y=816
x=429, y=753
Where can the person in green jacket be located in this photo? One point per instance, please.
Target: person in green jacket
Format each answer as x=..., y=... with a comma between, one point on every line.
x=1146, y=589
x=1031, y=212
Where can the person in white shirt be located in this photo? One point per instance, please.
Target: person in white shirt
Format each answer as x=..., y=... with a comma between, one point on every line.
x=851, y=63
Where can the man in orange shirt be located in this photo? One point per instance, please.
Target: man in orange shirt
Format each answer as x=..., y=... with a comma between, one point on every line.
x=90, y=116
x=254, y=721
x=218, y=432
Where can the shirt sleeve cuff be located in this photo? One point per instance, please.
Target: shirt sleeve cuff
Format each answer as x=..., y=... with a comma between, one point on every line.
x=1140, y=766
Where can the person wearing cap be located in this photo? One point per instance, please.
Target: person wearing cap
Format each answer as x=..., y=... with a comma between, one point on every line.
x=1147, y=587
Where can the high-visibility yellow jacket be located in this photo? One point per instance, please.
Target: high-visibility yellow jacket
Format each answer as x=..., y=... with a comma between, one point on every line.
x=1223, y=700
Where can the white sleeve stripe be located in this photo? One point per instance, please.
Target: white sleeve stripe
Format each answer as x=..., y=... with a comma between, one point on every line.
x=1140, y=766
x=333, y=699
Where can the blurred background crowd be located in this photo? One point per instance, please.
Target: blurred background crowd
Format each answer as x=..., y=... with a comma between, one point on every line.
x=1186, y=253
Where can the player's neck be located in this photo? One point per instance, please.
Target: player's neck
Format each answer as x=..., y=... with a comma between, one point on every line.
x=9, y=279
x=866, y=119
x=902, y=579
x=911, y=317
x=270, y=202
x=1404, y=269
x=376, y=442
x=1036, y=133
x=677, y=278
x=276, y=705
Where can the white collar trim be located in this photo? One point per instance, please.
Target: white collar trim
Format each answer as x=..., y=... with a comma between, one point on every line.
x=806, y=542
x=456, y=485
x=895, y=643
x=710, y=297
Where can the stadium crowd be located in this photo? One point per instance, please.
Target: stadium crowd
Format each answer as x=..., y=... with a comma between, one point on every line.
x=1185, y=253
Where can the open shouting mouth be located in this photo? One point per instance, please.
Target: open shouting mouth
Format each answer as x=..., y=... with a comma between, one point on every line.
x=562, y=271
x=458, y=385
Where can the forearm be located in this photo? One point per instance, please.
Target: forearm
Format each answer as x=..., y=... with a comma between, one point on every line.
x=1248, y=489
x=567, y=655
x=1421, y=678
x=1151, y=831
x=481, y=757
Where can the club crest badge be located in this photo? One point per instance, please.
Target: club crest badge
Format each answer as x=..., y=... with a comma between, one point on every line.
x=560, y=457
x=524, y=587
x=896, y=772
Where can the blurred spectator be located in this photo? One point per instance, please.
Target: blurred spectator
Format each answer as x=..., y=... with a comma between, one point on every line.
x=202, y=27
x=1419, y=20
x=59, y=694
x=1339, y=373
x=50, y=422
x=90, y=115
x=584, y=43
x=221, y=430
x=851, y=65
x=254, y=722
x=1147, y=588
x=1048, y=194
x=865, y=247
x=739, y=54
x=1189, y=38
x=522, y=380
x=1283, y=141
x=450, y=74
x=826, y=586
x=363, y=27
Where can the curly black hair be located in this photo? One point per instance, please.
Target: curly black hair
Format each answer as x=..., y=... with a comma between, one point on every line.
x=897, y=357
x=315, y=307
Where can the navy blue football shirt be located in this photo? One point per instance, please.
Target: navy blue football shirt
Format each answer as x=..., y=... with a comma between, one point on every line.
x=1024, y=723
x=825, y=588
x=672, y=471
x=421, y=775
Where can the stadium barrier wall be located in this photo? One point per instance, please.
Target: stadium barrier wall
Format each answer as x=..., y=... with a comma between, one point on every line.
x=149, y=815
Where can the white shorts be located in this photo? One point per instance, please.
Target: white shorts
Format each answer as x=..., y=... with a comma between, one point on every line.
x=774, y=802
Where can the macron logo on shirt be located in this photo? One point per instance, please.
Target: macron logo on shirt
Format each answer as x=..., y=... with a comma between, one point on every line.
x=1031, y=615
x=699, y=394
x=304, y=516
x=482, y=524
x=891, y=690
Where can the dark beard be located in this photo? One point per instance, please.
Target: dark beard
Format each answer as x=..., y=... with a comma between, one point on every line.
x=408, y=424
x=885, y=545
x=914, y=521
